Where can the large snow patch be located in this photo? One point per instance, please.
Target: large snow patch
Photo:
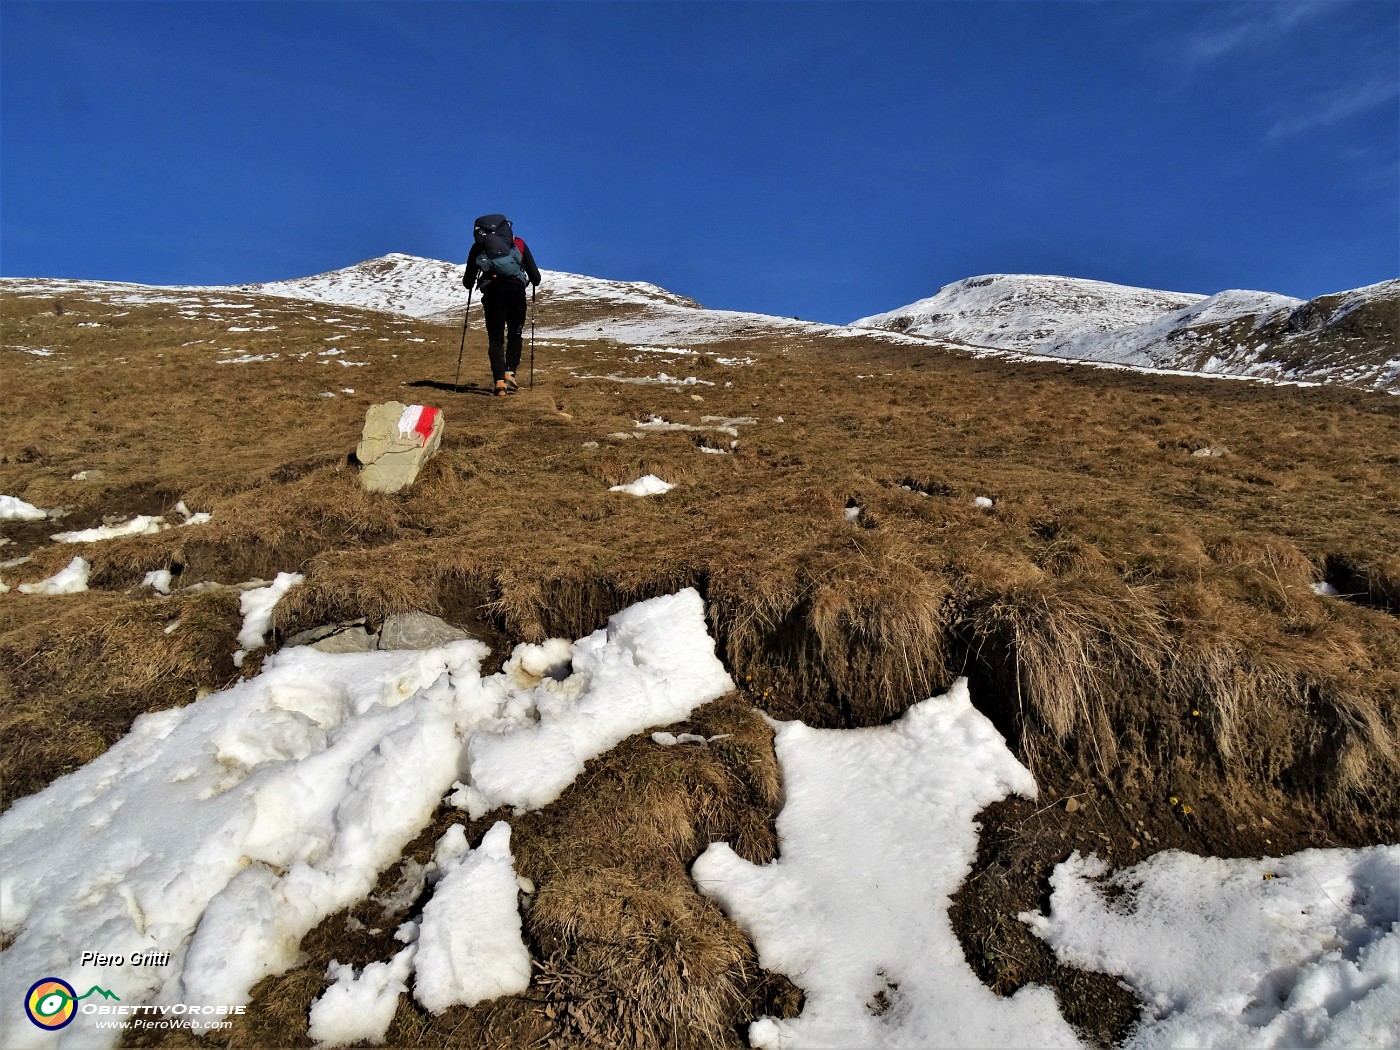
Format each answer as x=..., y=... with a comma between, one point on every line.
x=1275, y=952
x=877, y=831
x=223, y=831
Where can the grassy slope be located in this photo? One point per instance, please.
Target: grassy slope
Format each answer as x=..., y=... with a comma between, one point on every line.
x=1139, y=621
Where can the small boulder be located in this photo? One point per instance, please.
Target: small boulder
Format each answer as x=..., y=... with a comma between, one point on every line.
x=350, y=640
x=398, y=440
x=418, y=630
x=351, y=637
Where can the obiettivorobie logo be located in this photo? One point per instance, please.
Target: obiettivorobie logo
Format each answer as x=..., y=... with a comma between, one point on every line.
x=52, y=1003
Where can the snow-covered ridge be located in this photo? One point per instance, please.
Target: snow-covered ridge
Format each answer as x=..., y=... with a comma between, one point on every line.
x=395, y=283
x=1133, y=344
x=1350, y=338
x=1027, y=311
x=431, y=288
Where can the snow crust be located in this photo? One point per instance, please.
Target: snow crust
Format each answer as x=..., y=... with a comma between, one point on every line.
x=646, y=485
x=223, y=831
x=469, y=943
x=877, y=830
x=12, y=508
x=1289, y=952
x=72, y=579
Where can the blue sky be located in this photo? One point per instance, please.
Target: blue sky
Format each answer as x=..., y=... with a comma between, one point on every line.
x=821, y=160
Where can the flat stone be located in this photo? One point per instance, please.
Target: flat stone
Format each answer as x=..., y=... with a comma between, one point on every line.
x=315, y=634
x=350, y=640
x=418, y=630
x=397, y=441
x=348, y=637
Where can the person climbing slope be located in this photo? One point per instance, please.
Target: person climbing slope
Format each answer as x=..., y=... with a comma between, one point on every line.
x=500, y=265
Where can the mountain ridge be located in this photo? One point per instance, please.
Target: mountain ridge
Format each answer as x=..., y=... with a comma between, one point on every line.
x=1350, y=337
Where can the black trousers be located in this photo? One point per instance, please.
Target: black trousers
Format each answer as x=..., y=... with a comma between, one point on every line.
x=505, y=318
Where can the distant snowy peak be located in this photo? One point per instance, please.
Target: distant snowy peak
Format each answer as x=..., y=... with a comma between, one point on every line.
x=1027, y=311
x=1350, y=338
x=432, y=288
x=1135, y=344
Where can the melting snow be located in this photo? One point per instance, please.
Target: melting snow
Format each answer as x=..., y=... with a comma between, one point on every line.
x=223, y=831
x=646, y=485
x=1276, y=952
x=12, y=508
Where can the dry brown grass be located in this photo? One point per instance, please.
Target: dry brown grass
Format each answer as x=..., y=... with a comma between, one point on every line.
x=1130, y=610
x=1113, y=561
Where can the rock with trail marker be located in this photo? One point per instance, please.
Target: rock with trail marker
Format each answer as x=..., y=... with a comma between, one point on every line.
x=398, y=440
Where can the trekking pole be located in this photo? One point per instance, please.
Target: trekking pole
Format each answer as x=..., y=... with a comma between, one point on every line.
x=458, y=377
x=533, y=287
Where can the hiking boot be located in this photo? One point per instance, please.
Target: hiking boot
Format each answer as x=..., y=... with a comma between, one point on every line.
x=511, y=384
x=501, y=390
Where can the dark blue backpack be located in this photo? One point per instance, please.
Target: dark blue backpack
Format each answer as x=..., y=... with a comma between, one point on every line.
x=500, y=254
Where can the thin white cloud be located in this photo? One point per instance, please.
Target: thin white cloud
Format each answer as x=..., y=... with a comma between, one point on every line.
x=1339, y=104
x=1230, y=27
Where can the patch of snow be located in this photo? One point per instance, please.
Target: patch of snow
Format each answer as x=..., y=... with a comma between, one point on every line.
x=469, y=942
x=140, y=525
x=246, y=359
x=225, y=830
x=646, y=485
x=12, y=508
x=1276, y=952
x=358, y=1008
x=158, y=580
x=661, y=378
x=878, y=829
x=654, y=663
x=256, y=605
x=72, y=579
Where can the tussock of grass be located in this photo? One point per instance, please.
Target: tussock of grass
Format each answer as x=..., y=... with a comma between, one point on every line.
x=72, y=683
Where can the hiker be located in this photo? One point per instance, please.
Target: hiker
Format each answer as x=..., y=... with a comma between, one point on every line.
x=500, y=264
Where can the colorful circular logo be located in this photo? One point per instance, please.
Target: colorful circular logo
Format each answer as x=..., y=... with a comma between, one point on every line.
x=51, y=1003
